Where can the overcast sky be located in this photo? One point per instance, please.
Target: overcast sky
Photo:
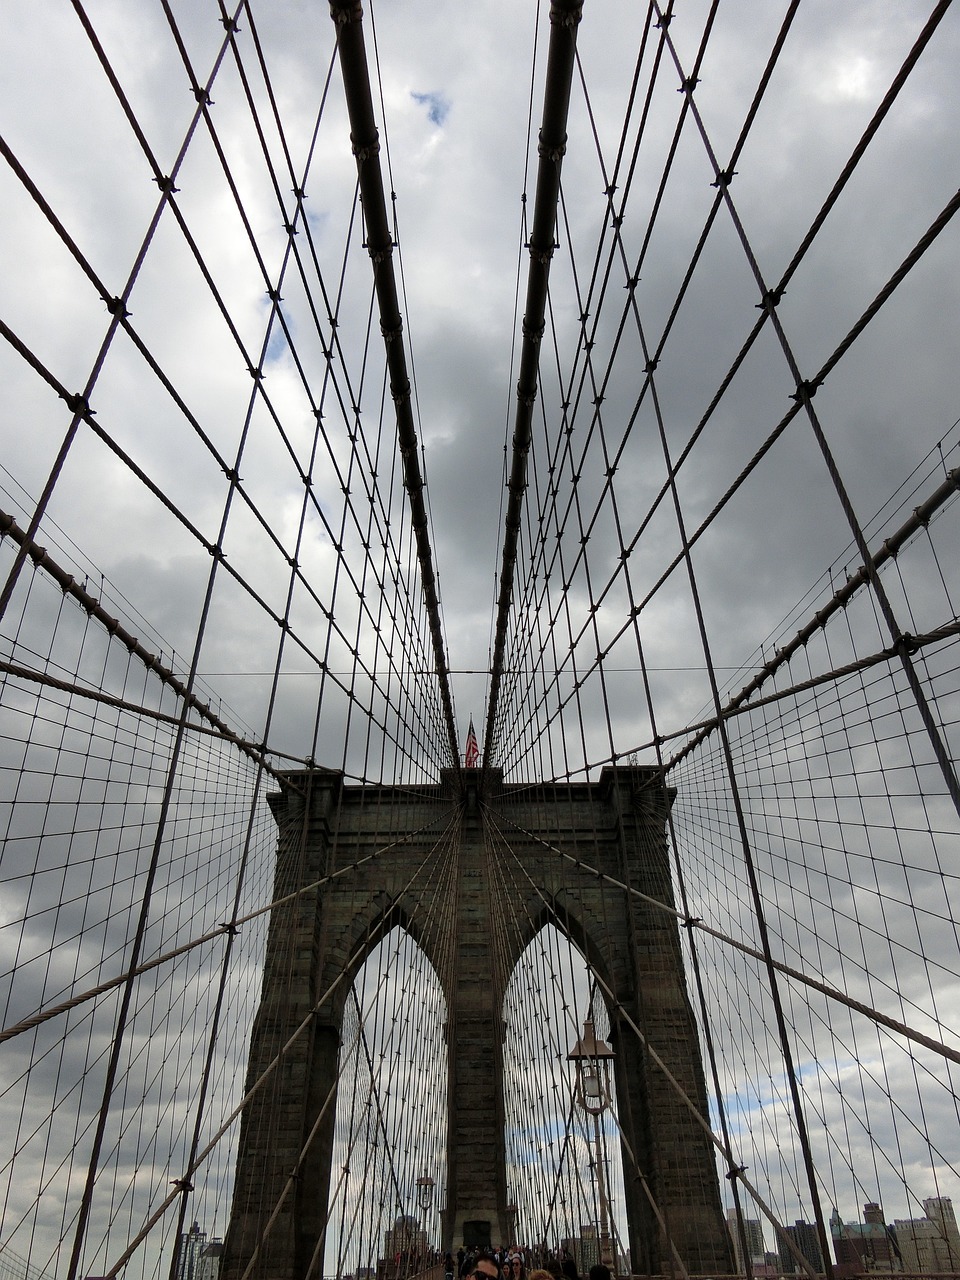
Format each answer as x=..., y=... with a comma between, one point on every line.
x=460, y=86
x=457, y=103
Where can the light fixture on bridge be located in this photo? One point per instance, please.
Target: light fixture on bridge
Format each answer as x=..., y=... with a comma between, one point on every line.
x=592, y=1090
x=592, y=1058
x=425, y=1189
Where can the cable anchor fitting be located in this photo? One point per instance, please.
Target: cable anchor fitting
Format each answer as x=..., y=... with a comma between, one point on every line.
x=906, y=644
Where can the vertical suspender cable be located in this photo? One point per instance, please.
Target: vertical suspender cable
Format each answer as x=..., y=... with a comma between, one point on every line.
x=564, y=19
x=348, y=16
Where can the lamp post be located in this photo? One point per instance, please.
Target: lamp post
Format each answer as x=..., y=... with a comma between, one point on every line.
x=592, y=1059
x=425, y=1189
x=425, y=1186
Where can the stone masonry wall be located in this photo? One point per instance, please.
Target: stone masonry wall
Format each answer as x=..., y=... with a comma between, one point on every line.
x=616, y=826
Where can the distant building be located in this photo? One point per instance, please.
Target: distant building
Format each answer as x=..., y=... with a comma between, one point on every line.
x=406, y=1239
x=585, y=1247
x=866, y=1246
x=931, y=1243
x=806, y=1241
x=209, y=1268
x=190, y=1247
x=753, y=1231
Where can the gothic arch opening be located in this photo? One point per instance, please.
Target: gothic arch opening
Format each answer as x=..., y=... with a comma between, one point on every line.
x=564, y=1166
x=388, y=1167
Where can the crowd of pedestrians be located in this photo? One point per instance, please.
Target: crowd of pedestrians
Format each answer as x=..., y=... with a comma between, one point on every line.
x=517, y=1263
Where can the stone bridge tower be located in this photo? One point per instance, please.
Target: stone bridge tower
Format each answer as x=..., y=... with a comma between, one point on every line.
x=319, y=940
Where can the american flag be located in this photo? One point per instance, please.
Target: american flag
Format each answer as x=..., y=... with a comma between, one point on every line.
x=472, y=754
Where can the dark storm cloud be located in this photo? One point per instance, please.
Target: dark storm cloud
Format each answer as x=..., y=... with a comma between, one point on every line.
x=459, y=175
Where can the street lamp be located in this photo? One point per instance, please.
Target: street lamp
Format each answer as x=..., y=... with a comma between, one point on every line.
x=592, y=1091
x=425, y=1186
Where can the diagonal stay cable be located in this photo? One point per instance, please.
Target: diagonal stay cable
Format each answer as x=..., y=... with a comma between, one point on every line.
x=735, y=1170
x=694, y=922
x=229, y=927
x=200, y=1157
x=828, y=204
x=942, y=220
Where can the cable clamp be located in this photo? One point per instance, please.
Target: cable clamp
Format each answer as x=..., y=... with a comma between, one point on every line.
x=906, y=644
x=805, y=391
x=79, y=404
x=202, y=96
x=344, y=13
x=367, y=151
x=556, y=153
x=564, y=17
x=735, y=1171
x=770, y=299
x=181, y=1184
x=688, y=85
x=723, y=179
x=391, y=335
x=166, y=185
x=543, y=256
x=117, y=307
x=230, y=928
x=691, y=922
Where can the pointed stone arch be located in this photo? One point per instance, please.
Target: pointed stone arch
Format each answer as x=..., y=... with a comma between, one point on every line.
x=408, y=1059
x=571, y=845
x=546, y=1109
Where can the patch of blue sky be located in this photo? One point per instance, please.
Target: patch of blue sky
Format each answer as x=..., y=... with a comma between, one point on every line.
x=317, y=221
x=437, y=104
x=277, y=346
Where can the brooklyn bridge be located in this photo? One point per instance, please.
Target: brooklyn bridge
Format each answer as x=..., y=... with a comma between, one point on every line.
x=480, y=656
